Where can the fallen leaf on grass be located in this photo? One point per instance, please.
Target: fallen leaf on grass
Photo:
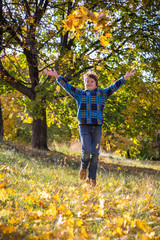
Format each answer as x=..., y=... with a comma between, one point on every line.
x=7, y=229
x=3, y=195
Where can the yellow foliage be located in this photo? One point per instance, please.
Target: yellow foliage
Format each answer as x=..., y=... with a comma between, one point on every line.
x=78, y=18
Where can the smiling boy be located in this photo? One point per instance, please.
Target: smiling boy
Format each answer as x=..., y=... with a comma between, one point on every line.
x=90, y=105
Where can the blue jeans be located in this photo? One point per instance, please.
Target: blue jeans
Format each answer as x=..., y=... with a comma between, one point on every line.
x=90, y=141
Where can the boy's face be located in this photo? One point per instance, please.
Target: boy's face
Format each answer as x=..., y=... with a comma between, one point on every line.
x=90, y=84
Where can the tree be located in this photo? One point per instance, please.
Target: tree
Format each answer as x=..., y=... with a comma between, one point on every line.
x=35, y=32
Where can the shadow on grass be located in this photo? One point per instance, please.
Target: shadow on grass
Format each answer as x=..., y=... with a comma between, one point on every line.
x=58, y=158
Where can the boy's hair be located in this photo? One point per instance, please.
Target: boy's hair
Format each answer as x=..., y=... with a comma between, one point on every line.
x=91, y=74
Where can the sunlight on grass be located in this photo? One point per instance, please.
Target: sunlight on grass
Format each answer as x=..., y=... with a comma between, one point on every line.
x=42, y=199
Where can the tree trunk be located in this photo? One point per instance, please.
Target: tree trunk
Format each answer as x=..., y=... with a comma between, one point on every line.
x=39, y=132
x=1, y=123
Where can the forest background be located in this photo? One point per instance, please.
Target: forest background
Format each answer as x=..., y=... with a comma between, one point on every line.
x=117, y=36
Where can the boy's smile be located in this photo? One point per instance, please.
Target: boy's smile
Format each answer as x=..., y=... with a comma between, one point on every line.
x=90, y=84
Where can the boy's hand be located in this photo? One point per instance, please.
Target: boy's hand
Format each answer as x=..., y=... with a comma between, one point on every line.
x=129, y=74
x=52, y=73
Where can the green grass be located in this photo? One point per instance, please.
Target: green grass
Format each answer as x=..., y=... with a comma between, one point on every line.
x=41, y=197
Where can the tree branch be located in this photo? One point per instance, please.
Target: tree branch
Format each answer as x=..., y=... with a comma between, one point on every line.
x=16, y=84
x=40, y=10
x=27, y=7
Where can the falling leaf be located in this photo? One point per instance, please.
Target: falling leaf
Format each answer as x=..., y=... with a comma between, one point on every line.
x=104, y=41
x=78, y=18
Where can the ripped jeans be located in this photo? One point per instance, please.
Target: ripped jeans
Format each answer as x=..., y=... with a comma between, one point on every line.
x=90, y=140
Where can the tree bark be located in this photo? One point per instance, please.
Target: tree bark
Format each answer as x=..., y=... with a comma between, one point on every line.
x=39, y=132
x=1, y=123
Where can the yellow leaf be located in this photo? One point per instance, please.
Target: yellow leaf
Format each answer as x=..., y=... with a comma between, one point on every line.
x=108, y=35
x=2, y=176
x=36, y=216
x=7, y=229
x=68, y=213
x=58, y=88
x=119, y=232
x=3, y=184
x=84, y=10
x=56, y=198
x=142, y=225
x=68, y=24
x=120, y=222
x=70, y=221
x=158, y=237
x=12, y=220
x=104, y=41
x=98, y=67
x=52, y=210
x=3, y=195
x=98, y=27
x=79, y=223
x=78, y=34
x=100, y=212
x=84, y=232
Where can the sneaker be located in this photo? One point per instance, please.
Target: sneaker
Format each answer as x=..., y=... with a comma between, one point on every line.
x=82, y=173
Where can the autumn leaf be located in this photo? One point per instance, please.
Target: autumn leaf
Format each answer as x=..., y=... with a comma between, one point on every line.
x=3, y=184
x=78, y=18
x=7, y=229
x=104, y=41
x=79, y=222
x=3, y=195
x=52, y=210
x=12, y=221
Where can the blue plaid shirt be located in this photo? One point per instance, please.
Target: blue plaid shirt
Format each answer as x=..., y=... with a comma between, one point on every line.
x=90, y=104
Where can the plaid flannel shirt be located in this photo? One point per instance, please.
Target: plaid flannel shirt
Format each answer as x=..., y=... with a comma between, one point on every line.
x=90, y=104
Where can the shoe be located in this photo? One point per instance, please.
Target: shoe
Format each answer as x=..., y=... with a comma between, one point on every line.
x=93, y=182
x=88, y=180
x=82, y=173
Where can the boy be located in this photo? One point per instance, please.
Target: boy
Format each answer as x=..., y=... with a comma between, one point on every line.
x=90, y=105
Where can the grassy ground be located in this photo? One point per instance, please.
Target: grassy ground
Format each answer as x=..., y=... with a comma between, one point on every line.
x=42, y=198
